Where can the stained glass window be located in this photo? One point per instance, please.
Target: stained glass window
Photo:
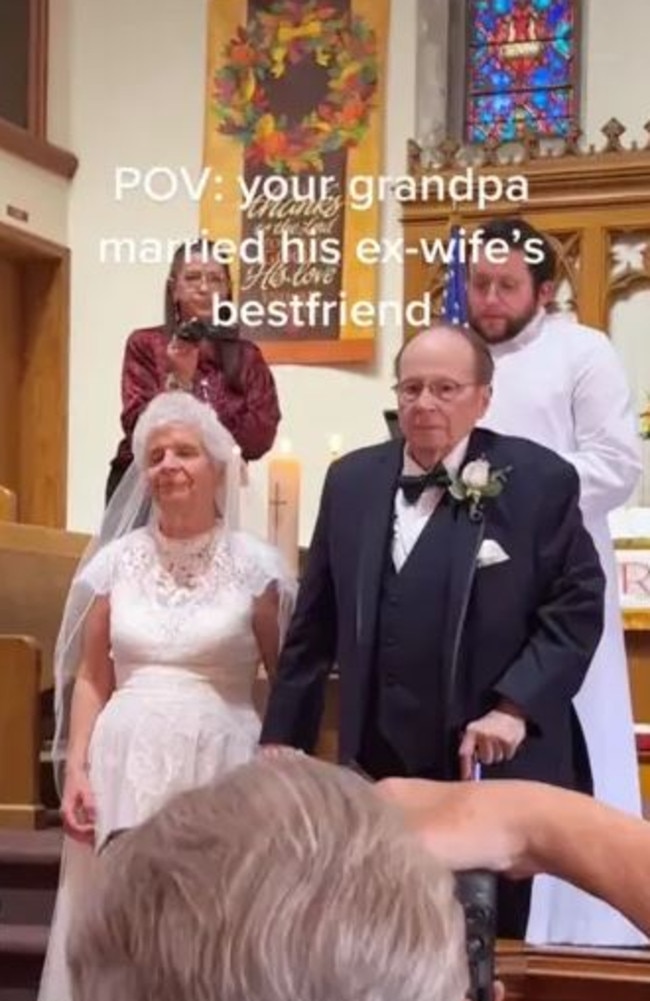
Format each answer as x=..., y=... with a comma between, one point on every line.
x=522, y=68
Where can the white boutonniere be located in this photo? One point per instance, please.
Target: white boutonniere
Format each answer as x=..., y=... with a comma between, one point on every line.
x=475, y=482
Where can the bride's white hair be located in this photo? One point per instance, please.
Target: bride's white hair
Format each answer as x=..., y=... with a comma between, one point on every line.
x=131, y=498
x=178, y=407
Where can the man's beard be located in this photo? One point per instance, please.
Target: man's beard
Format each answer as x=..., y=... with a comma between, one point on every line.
x=513, y=326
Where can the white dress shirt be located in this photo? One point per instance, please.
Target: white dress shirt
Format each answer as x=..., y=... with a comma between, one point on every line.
x=410, y=519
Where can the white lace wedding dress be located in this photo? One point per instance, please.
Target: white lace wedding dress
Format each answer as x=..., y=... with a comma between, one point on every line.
x=181, y=714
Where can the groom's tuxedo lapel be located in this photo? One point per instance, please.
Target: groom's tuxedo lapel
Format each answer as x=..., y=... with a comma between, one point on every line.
x=468, y=535
x=375, y=533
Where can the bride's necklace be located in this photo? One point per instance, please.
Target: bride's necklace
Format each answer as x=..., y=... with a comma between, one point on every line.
x=186, y=561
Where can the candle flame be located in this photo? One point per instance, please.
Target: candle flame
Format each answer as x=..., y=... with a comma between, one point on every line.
x=285, y=446
x=335, y=444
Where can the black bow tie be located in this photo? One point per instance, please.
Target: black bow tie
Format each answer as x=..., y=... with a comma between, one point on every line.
x=413, y=486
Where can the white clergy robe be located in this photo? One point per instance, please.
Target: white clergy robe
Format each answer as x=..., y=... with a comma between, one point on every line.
x=561, y=384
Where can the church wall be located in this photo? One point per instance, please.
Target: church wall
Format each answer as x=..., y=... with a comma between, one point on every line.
x=136, y=86
x=614, y=68
x=615, y=73
x=117, y=81
x=59, y=90
x=43, y=195
x=137, y=101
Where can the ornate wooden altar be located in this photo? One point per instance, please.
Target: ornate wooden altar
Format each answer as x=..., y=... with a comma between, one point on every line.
x=590, y=202
x=594, y=204
x=572, y=974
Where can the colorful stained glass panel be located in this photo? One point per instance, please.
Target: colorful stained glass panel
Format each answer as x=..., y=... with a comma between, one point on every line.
x=521, y=67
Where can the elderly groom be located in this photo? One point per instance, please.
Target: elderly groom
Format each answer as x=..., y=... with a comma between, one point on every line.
x=453, y=583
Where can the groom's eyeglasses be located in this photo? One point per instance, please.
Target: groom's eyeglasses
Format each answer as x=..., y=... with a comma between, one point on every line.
x=444, y=390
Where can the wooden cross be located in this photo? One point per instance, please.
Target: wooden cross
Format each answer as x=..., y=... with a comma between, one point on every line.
x=449, y=150
x=613, y=130
x=530, y=143
x=572, y=141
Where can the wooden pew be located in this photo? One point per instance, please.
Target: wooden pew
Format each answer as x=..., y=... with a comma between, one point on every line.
x=36, y=567
x=8, y=505
x=326, y=747
x=20, y=732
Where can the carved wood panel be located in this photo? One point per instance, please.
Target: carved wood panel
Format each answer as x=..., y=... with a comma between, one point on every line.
x=594, y=204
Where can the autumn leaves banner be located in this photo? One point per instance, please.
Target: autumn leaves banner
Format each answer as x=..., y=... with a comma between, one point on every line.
x=294, y=111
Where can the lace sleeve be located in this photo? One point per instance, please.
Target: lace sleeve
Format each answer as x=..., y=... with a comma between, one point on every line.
x=96, y=573
x=93, y=579
x=261, y=564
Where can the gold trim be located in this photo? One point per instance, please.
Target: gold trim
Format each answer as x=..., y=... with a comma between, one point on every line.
x=636, y=619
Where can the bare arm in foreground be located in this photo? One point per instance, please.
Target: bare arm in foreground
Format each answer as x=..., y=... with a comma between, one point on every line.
x=523, y=828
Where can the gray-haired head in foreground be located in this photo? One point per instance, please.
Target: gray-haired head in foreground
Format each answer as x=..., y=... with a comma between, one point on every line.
x=289, y=880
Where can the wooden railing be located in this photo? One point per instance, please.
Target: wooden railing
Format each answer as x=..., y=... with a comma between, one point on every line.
x=8, y=505
x=590, y=202
x=554, y=974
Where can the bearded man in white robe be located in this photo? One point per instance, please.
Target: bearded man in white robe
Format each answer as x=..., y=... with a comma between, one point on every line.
x=562, y=385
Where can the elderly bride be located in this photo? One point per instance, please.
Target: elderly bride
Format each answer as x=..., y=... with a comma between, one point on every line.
x=164, y=630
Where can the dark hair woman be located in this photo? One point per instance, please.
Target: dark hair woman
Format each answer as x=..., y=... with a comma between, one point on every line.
x=220, y=368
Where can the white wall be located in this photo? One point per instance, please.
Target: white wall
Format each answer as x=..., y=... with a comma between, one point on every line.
x=615, y=77
x=44, y=196
x=59, y=84
x=135, y=86
x=135, y=102
x=318, y=403
x=615, y=70
x=137, y=99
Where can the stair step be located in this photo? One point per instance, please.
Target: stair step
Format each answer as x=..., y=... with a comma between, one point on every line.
x=26, y=899
x=36, y=848
x=23, y=940
x=29, y=876
x=22, y=953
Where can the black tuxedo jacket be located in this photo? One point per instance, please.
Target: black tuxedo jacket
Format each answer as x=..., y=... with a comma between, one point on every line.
x=524, y=629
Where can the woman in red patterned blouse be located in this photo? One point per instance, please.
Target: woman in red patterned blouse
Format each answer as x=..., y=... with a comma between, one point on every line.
x=226, y=372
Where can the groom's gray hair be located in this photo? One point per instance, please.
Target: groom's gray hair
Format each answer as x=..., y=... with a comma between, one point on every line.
x=288, y=880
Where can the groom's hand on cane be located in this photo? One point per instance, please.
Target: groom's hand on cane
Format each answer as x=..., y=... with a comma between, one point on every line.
x=492, y=738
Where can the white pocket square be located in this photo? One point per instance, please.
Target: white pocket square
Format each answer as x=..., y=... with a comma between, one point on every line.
x=490, y=553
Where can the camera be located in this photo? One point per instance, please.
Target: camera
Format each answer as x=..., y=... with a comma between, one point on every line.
x=196, y=330
x=476, y=891
x=191, y=331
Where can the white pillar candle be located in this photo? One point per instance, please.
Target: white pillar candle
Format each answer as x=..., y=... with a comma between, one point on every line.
x=284, y=503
